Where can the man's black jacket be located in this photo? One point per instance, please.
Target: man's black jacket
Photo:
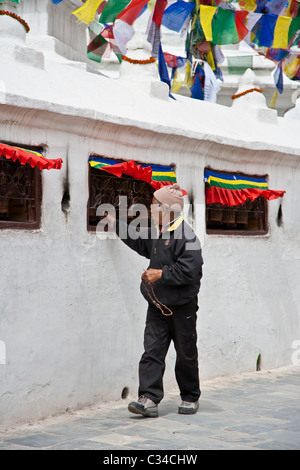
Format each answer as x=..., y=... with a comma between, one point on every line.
x=177, y=252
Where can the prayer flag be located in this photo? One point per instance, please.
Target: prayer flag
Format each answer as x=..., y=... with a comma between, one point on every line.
x=174, y=61
x=278, y=77
x=263, y=31
x=158, y=12
x=206, y=16
x=294, y=28
x=188, y=80
x=123, y=32
x=273, y=100
x=87, y=12
x=240, y=18
x=224, y=28
x=53, y=1
x=211, y=86
x=249, y=5
x=162, y=68
x=281, y=32
x=275, y=7
x=268, y=29
x=292, y=66
x=132, y=11
x=233, y=190
x=177, y=82
x=176, y=14
x=276, y=54
x=261, y=6
x=102, y=42
x=196, y=89
x=112, y=9
x=98, y=44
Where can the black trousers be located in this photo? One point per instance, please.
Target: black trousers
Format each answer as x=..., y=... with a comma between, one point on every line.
x=160, y=330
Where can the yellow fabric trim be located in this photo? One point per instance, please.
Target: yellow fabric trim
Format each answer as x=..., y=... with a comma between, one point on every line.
x=168, y=173
x=39, y=154
x=97, y=163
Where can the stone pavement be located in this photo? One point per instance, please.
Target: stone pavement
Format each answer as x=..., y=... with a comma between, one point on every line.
x=254, y=411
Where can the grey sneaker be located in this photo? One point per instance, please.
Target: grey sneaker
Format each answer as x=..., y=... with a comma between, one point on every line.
x=144, y=406
x=188, y=408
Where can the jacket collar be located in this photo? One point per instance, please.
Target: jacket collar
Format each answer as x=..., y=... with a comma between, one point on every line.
x=172, y=225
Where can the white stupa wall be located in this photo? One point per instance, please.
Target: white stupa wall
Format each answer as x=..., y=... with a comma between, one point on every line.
x=72, y=316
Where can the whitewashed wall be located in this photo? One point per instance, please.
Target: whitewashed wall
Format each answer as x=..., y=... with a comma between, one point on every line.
x=72, y=316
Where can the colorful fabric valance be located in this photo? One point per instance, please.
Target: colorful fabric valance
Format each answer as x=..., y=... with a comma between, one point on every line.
x=233, y=190
x=33, y=158
x=156, y=175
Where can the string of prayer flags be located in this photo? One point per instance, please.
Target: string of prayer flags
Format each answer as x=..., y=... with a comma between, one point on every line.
x=86, y=13
x=270, y=24
x=288, y=8
x=226, y=26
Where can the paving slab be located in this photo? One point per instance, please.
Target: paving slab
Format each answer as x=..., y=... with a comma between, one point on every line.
x=252, y=411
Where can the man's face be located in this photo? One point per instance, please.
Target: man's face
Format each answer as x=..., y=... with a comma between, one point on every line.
x=156, y=211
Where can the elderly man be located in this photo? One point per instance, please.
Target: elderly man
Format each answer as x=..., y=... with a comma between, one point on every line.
x=170, y=285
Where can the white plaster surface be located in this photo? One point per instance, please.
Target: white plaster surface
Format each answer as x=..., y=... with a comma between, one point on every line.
x=72, y=317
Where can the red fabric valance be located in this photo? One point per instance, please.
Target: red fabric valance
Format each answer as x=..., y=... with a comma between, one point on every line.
x=236, y=197
x=33, y=158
